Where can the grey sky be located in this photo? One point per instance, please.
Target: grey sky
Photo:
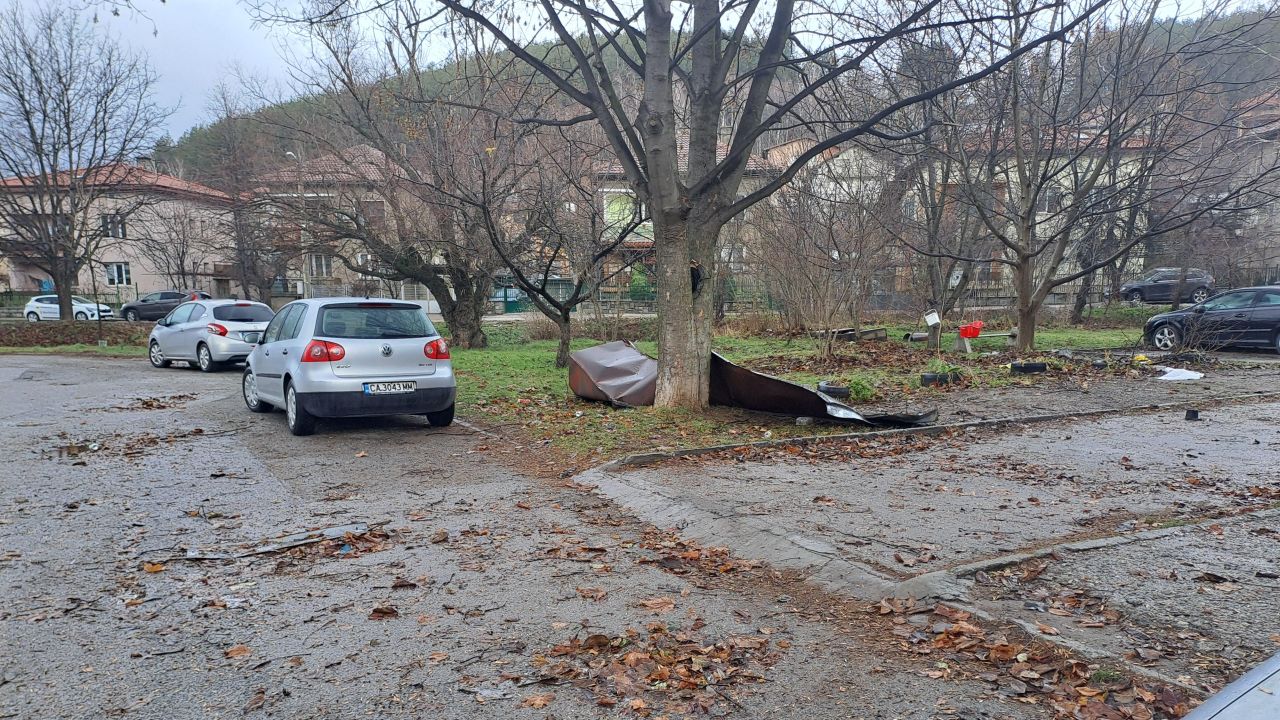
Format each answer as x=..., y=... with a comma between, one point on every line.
x=194, y=46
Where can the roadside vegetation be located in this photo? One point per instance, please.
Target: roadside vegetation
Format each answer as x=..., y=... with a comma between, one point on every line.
x=513, y=388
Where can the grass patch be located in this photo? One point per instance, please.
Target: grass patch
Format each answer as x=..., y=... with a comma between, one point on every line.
x=1102, y=676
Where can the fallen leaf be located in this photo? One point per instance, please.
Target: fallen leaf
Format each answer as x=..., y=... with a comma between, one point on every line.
x=402, y=584
x=538, y=701
x=658, y=604
x=526, y=506
x=153, y=567
x=237, y=651
x=439, y=536
x=259, y=698
x=1047, y=629
x=437, y=657
x=592, y=593
x=362, y=454
x=384, y=612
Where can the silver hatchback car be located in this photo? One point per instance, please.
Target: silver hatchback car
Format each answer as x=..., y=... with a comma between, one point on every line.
x=350, y=357
x=210, y=333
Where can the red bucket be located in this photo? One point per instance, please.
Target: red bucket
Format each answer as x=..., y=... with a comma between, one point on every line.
x=972, y=330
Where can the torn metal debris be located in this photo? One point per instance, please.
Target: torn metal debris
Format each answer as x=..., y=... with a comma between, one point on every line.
x=618, y=373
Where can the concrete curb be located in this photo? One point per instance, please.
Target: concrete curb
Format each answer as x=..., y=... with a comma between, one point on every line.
x=649, y=458
x=1104, y=542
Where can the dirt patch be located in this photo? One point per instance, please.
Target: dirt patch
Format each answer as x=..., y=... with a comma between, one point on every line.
x=41, y=334
x=167, y=402
x=116, y=445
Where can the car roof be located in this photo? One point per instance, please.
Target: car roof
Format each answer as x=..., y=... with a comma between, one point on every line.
x=353, y=299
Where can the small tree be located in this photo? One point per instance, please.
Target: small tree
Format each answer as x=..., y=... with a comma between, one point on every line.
x=75, y=109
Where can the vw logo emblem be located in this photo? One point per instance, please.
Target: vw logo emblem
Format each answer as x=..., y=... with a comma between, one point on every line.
x=386, y=350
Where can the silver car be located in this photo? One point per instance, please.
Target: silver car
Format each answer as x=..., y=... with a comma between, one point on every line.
x=350, y=357
x=208, y=333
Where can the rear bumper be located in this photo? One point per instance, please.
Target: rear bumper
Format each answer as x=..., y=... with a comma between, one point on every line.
x=358, y=404
x=226, y=349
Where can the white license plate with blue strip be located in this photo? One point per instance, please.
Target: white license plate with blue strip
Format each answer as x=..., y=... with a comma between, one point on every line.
x=390, y=388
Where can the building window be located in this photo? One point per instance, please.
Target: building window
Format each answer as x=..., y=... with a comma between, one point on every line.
x=320, y=265
x=118, y=274
x=113, y=226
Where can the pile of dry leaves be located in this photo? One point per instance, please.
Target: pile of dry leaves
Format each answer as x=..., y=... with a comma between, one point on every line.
x=1031, y=672
x=660, y=670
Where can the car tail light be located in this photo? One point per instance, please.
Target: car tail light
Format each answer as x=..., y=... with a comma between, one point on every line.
x=437, y=349
x=323, y=351
x=217, y=329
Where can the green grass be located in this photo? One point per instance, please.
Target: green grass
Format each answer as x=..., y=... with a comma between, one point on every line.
x=1102, y=676
x=78, y=349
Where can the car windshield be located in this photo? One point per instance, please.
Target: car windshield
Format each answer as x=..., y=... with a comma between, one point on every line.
x=243, y=312
x=374, y=321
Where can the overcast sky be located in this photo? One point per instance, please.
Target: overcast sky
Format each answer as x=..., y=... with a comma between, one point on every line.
x=193, y=45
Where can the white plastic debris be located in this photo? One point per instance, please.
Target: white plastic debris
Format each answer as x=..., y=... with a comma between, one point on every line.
x=1179, y=374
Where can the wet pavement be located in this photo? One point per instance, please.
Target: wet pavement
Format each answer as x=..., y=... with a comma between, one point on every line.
x=461, y=601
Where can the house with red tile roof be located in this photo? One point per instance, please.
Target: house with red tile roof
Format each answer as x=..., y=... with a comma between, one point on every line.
x=158, y=231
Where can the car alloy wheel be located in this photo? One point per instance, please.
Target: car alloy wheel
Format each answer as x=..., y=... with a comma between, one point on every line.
x=82, y=316
x=131, y=315
x=1165, y=337
x=205, y=359
x=1135, y=298
x=33, y=317
x=301, y=422
x=1199, y=296
x=156, y=355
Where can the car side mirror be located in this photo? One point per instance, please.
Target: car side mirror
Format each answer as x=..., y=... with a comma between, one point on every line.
x=253, y=338
x=163, y=322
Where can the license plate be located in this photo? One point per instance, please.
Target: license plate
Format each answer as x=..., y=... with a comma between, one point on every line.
x=390, y=388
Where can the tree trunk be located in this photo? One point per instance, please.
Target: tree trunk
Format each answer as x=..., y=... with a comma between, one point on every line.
x=566, y=336
x=1028, y=304
x=462, y=306
x=684, y=319
x=1082, y=299
x=64, y=280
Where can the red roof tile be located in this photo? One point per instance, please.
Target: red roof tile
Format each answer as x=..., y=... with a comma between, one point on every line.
x=123, y=177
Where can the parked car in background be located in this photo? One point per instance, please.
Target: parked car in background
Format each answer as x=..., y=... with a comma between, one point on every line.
x=45, y=307
x=210, y=333
x=156, y=305
x=1249, y=317
x=350, y=357
x=1158, y=285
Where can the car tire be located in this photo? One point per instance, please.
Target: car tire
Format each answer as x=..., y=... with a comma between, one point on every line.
x=156, y=355
x=1199, y=295
x=1134, y=298
x=441, y=418
x=131, y=315
x=205, y=361
x=33, y=317
x=249, y=391
x=82, y=316
x=1166, y=337
x=1275, y=343
x=300, y=421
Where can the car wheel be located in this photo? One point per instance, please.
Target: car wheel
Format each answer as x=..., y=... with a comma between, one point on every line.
x=1134, y=298
x=156, y=355
x=33, y=317
x=204, y=359
x=1276, y=342
x=1200, y=295
x=1166, y=337
x=131, y=315
x=82, y=316
x=441, y=418
x=301, y=422
x=249, y=389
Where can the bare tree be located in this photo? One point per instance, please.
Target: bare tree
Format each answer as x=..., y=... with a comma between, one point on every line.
x=176, y=241
x=1120, y=133
x=75, y=109
x=684, y=93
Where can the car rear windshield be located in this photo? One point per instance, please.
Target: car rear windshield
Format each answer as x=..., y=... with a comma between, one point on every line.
x=243, y=313
x=374, y=321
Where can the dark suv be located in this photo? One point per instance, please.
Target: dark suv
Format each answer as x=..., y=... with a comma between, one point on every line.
x=156, y=305
x=1158, y=285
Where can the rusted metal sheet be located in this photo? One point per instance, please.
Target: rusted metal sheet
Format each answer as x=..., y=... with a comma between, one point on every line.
x=617, y=372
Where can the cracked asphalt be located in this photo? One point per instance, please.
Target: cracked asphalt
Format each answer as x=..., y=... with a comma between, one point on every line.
x=453, y=608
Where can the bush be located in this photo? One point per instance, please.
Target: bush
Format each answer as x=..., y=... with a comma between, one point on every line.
x=71, y=332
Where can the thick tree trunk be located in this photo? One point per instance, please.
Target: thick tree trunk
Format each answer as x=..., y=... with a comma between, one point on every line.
x=64, y=280
x=462, y=306
x=684, y=318
x=1028, y=303
x=566, y=337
